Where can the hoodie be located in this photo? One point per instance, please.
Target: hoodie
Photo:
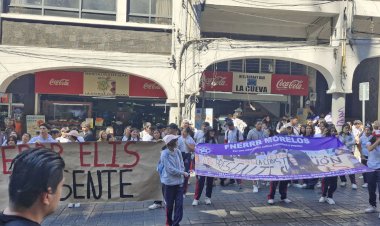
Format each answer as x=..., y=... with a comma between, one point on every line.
x=172, y=173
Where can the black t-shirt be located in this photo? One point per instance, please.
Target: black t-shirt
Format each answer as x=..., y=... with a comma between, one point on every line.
x=9, y=220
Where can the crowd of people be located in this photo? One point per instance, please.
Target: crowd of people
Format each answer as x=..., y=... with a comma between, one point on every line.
x=177, y=157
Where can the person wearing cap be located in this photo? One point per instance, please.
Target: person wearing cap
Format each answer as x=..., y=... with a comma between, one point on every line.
x=209, y=138
x=172, y=176
x=257, y=133
x=172, y=129
x=373, y=163
x=74, y=136
x=44, y=136
x=87, y=133
x=238, y=123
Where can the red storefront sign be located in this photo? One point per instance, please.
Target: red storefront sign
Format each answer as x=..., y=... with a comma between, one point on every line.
x=217, y=81
x=59, y=82
x=290, y=85
x=141, y=87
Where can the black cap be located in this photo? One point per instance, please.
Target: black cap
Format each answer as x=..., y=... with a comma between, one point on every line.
x=160, y=126
x=173, y=126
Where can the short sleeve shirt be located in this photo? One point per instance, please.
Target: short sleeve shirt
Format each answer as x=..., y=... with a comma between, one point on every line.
x=232, y=136
x=181, y=143
x=40, y=139
x=374, y=158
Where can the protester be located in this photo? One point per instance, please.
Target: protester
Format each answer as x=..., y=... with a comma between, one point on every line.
x=293, y=123
x=55, y=133
x=12, y=140
x=173, y=129
x=349, y=141
x=74, y=136
x=44, y=136
x=25, y=138
x=363, y=140
x=186, y=145
x=238, y=123
x=87, y=133
x=232, y=135
x=199, y=136
x=210, y=138
x=149, y=134
x=146, y=129
x=156, y=135
x=373, y=163
x=280, y=124
x=63, y=138
x=110, y=133
x=103, y=136
x=35, y=187
x=127, y=133
x=133, y=136
x=172, y=176
x=256, y=133
x=5, y=140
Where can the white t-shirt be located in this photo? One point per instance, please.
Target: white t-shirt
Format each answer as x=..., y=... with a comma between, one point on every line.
x=199, y=137
x=147, y=137
x=231, y=136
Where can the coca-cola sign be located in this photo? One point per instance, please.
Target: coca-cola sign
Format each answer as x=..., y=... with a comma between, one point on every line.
x=151, y=86
x=142, y=87
x=290, y=85
x=217, y=81
x=59, y=82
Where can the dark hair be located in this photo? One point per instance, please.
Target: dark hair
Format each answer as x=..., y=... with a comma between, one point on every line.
x=44, y=124
x=30, y=136
x=187, y=130
x=34, y=171
x=208, y=138
x=345, y=125
x=303, y=133
x=14, y=138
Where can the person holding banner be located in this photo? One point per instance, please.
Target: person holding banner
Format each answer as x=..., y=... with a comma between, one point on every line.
x=257, y=133
x=349, y=141
x=373, y=163
x=172, y=176
x=35, y=187
x=187, y=146
x=210, y=138
x=363, y=140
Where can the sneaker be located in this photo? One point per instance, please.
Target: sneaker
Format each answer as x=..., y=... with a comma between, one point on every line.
x=297, y=185
x=208, y=201
x=330, y=201
x=195, y=202
x=365, y=185
x=319, y=184
x=322, y=199
x=343, y=184
x=370, y=209
x=270, y=201
x=70, y=205
x=286, y=200
x=76, y=205
x=154, y=206
x=360, y=177
x=354, y=186
x=255, y=189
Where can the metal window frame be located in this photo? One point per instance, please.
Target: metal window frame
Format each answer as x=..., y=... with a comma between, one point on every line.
x=150, y=16
x=80, y=9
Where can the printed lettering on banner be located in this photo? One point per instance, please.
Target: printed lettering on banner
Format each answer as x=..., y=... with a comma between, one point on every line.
x=99, y=171
x=219, y=81
x=251, y=83
x=290, y=85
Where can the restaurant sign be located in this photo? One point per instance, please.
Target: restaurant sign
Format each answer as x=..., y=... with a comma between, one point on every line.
x=251, y=83
x=105, y=84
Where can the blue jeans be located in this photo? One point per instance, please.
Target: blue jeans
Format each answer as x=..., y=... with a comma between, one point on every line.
x=174, y=201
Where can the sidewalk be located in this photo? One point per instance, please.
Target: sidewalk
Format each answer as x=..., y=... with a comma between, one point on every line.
x=231, y=206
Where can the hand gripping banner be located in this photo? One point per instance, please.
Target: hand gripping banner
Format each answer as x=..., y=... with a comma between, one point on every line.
x=277, y=158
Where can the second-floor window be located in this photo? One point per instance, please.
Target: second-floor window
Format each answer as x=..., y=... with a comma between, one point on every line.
x=150, y=11
x=88, y=9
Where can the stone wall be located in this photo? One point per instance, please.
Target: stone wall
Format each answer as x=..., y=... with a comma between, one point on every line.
x=69, y=36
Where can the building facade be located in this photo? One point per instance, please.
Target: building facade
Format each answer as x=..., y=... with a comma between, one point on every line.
x=162, y=48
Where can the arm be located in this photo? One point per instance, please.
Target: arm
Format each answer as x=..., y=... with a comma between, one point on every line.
x=249, y=136
x=373, y=146
x=170, y=166
x=190, y=145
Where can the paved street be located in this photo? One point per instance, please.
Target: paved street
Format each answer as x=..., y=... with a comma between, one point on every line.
x=232, y=206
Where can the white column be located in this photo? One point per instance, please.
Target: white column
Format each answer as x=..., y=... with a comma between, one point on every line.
x=338, y=109
x=121, y=11
x=36, y=104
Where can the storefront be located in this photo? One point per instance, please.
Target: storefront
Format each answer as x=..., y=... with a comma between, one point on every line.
x=67, y=98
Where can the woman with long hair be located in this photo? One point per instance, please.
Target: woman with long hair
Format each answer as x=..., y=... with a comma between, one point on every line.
x=134, y=135
x=103, y=136
x=210, y=138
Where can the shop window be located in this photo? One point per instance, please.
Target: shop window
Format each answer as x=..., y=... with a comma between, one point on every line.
x=267, y=66
x=150, y=11
x=88, y=9
x=236, y=65
x=298, y=69
x=282, y=67
x=252, y=65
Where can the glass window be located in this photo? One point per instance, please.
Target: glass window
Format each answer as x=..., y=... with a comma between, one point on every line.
x=90, y=9
x=150, y=11
x=282, y=67
x=298, y=69
x=267, y=66
x=63, y=3
x=104, y=5
x=236, y=65
x=252, y=65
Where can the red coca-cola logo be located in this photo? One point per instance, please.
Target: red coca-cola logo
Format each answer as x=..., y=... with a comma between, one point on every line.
x=59, y=82
x=216, y=81
x=295, y=84
x=151, y=86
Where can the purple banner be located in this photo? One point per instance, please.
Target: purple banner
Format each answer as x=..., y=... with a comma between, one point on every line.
x=277, y=158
